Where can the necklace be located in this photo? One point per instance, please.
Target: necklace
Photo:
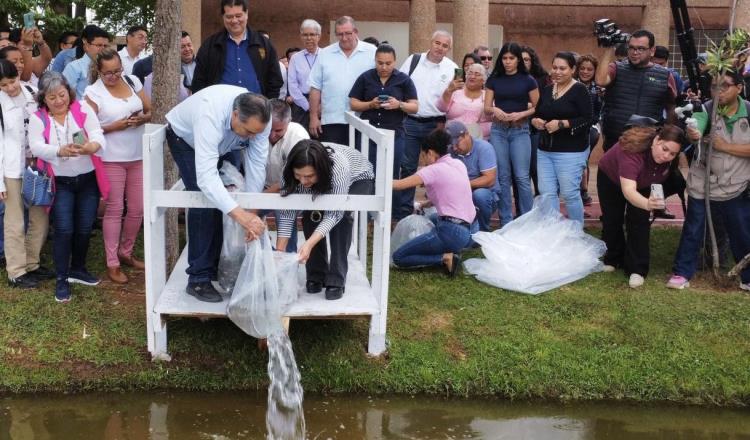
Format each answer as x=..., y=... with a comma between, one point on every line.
x=60, y=142
x=558, y=93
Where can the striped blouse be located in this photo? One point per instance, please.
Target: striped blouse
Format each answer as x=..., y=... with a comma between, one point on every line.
x=349, y=166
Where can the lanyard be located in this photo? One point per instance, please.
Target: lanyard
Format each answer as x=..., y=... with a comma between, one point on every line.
x=57, y=132
x=315, y=58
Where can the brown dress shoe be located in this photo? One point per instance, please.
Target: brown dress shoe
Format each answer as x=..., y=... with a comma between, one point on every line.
x=131, y=261
x=116, y=275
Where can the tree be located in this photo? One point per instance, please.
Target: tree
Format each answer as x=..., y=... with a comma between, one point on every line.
x=165, y=92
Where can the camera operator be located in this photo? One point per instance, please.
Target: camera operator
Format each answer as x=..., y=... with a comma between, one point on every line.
x=634, y=86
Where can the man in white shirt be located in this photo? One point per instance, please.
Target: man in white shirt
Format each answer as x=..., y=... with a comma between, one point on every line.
x=331, y=79
x=135, y=44
x=431, y=73
x=203, y=130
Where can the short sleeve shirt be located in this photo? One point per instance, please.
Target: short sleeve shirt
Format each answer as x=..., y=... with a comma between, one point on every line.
x=639, y=167
x=448, y=188
x=368, y=86
x=512, y=91
x=481, y=158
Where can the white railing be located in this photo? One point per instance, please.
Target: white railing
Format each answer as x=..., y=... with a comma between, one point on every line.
x=157, y=199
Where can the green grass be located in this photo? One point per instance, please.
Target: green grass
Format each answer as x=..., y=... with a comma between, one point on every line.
x=594, y=339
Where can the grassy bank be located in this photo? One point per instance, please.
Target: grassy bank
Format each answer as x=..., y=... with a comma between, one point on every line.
x=594, y=339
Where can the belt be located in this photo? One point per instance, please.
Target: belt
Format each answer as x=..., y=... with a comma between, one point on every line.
x=454, y=220
x=427, y=119
x=515, y=124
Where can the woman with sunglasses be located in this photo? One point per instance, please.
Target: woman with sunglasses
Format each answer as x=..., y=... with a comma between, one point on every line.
x=122, y=108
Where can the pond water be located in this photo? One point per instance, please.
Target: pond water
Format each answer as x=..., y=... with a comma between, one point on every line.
x=218, y=416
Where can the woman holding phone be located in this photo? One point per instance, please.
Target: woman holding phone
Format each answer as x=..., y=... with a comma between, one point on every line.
x=122, y=108
x=627, y=171
x=66, y=137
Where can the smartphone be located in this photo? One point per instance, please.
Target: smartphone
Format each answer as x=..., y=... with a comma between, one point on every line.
x=657, y=191
x=79, y=138
x=134, y=114
x=383, y=98
x=28, y=20
x=458, y=73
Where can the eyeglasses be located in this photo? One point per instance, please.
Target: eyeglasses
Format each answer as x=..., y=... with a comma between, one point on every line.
x=98, y=46
x=344, y=34
x=726, y=86
x=486, y=58
x=639, y=49
x=310, y=35
x=112, y=73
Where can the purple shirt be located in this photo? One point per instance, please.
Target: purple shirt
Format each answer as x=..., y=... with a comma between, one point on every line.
x=298, y=76
x=640, y=167
x=448, y=188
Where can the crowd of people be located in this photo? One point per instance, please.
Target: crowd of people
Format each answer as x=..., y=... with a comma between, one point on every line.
x=488, y=136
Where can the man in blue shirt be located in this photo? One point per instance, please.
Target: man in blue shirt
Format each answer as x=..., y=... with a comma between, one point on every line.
x=331, y=79
x=481, y=164
x=77, y=71
x=203, y=130
x=238, y=56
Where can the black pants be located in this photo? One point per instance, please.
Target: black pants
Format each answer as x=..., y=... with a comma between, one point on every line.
x=319, y=269
x=300, y=116
x=631, y=253
x=337, y=133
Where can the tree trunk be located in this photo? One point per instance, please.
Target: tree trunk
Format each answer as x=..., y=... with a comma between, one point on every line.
x=81, y=9
x=165, y=92
x=62, y=7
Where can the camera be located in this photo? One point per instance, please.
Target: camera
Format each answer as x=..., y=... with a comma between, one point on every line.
x=607, y=34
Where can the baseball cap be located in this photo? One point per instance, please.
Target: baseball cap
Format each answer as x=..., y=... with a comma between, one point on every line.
x=455, y=129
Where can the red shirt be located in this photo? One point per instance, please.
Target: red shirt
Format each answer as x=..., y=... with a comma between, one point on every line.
x=640, y=167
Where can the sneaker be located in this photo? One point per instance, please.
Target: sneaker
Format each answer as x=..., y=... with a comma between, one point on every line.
x=25, y=281
x=204, y=291
x=636, y=280
x=42, y=274
x=677, y=282
x=745, y=286
x=82, y=276
x=62, y=291
x=608, y=268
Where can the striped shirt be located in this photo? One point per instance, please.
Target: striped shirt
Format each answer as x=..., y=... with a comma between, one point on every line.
x=349, y=166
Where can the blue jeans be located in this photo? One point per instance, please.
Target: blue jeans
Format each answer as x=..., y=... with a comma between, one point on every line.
x=415, y=133
x=560, y=173
x=734, y=213
x=485, y=200
x=428, y=249
x=205, y=229
x=513, y=149
x=74, y=208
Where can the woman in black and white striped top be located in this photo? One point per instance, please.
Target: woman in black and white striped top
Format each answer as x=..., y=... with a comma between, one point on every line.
x=314, y=168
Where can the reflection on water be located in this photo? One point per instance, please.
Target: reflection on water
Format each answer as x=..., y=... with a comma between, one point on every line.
x=177, y=416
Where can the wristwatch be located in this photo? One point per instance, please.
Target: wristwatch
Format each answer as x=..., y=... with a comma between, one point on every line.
x=560, y=125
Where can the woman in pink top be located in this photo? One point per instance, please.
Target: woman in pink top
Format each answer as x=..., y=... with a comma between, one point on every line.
x=447, y=183
x=463, y=100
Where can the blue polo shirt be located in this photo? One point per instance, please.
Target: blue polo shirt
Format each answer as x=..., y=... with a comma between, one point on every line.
x=481, y=158
x=238, y=67
x=368, y=86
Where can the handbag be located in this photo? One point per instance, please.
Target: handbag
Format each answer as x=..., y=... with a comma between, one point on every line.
x=37, y=187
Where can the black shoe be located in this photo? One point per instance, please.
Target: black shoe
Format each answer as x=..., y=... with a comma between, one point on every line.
x=2, y=262
x=455, y=263
x=83, y=276
x=25, y=281
x=204, y=292
x=664, y=213
x=42, y=274
x=313, y=287
x=334, y=292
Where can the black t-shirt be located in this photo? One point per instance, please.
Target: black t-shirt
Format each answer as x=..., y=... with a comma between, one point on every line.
x=368, y=86
x=574, y=106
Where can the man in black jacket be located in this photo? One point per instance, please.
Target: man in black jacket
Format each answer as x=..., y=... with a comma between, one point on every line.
x=238, y=56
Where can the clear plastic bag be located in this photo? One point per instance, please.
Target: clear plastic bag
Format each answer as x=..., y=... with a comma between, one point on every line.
x=407, y=229
x=259, y=299
x=537, y=252
x=233, y=244
x=291, y=276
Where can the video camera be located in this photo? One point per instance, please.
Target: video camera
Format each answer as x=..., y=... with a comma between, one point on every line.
x=607, y=33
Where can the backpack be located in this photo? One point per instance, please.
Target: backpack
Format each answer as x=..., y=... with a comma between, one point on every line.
x=414, y=61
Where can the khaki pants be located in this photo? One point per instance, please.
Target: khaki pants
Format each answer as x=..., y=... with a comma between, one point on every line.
x=22, y=248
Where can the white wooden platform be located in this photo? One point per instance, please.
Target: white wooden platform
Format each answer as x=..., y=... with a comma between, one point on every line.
x=358, y=299
x=165, y=292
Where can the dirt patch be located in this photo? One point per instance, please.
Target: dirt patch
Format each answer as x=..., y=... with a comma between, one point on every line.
x=706, y=281
x=456, y=349
x=435, y=321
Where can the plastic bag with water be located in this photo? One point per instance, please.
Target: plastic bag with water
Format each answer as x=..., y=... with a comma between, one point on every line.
x=257, y=301
x=408, y=228
x=233, y=244
x=537, y=252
